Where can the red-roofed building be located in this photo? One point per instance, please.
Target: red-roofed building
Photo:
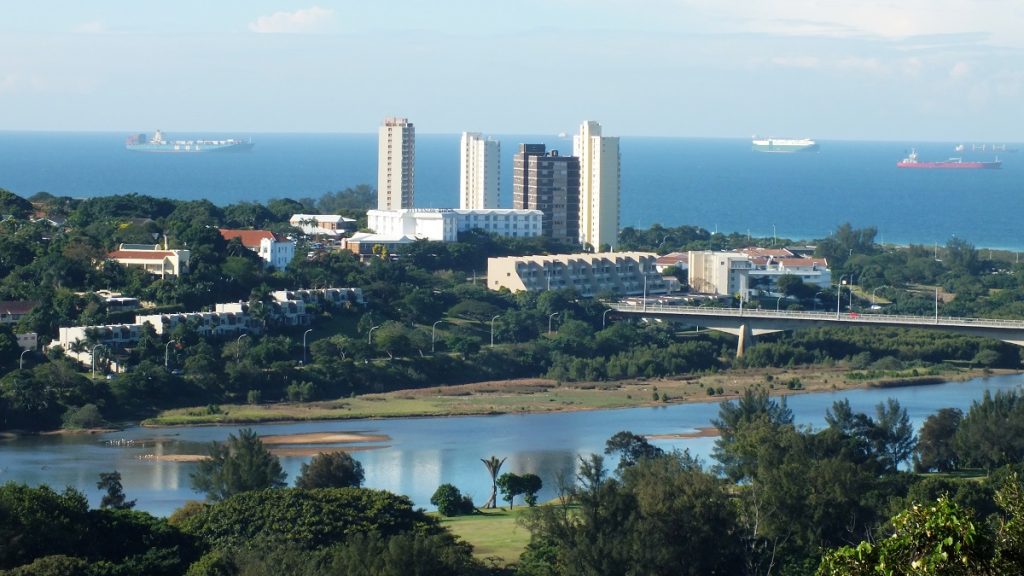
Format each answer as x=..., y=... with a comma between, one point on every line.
x=12, y=311
x=152, y=259
x=274, y=249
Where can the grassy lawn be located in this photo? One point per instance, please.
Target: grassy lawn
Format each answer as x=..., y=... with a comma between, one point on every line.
x=541, y=395
x=493, y=534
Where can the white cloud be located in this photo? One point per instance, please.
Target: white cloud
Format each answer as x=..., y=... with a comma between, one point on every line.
x=795, y=61
x=304, y=21
x=996, y=21
x=960, y=70
x=91, y=27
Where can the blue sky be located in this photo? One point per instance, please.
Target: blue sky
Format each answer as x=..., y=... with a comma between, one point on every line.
x=841, y=69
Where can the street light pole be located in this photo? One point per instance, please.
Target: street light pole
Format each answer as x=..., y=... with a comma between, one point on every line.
x=645, y=291
x=433, y=330
x=604, y=317
x=21, y=359
x=875, y=291
x=492, y=328
x=839, y=294
x=779, y=301
x=369, y=335
x=94, y=359
x=550, y=318
x=167, y=354
x=238, y=344
x=936, y=304
x=304, y=344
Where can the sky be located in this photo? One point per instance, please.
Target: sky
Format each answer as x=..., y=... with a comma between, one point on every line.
x=928, y=70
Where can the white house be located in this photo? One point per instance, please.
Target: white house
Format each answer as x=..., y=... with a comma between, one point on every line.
x=444, y=224
x=276, y=250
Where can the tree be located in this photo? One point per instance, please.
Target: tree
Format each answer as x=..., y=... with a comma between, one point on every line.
x=450, y=501
x=493, y=467
x=241, y=464
x=935, y=539
x=935, y=449
x=894, y=434
x=511, y=486
x=755, y=406
x=114, y=498
x=631, y=448
x=992, y=433
x=529, y=485
x=331, y=470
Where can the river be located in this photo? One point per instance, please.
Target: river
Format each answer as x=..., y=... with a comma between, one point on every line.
x=422, y=453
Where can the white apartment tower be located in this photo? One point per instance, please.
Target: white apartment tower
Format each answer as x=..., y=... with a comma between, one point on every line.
x=599, y=186
x=479, y=172
x=396, y=164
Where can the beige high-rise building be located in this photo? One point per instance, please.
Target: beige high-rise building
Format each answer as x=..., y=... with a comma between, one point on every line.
x=599, y=186
x=396, y=164
x=479, y=172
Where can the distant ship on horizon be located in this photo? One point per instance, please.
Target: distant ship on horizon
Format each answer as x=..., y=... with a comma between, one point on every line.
x=783, y=145
x=911, y=161
x=140, y=143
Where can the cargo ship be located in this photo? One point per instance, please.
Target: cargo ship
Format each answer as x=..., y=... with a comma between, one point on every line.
x=783, y=145
x=953, y=163
x=140, y=143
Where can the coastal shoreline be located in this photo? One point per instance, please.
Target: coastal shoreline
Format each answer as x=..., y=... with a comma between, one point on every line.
x=535, y=395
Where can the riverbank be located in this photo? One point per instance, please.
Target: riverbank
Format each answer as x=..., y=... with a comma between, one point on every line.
x=541, y=395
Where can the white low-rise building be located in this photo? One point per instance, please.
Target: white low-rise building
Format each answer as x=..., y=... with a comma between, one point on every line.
x=753, y=271
x=276, y=250
x=152, y=259
x=620, y=273
x=332, y=225
x=445, y=224
x=232, y=319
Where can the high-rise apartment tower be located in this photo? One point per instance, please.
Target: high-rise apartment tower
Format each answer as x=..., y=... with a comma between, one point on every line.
x=396, y=164
x=550, y=183
x=599, y=186
x=479, y=172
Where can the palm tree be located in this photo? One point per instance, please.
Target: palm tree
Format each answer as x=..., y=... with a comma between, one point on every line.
x=493, y=467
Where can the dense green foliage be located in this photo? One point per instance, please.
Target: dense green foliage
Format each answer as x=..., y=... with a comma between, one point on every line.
x=309, y=518
x=240, y=464
x=57, y=533
x=450, y=501
x=331, y=470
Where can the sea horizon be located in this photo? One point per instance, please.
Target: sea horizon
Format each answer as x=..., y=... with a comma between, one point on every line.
x=717, y=183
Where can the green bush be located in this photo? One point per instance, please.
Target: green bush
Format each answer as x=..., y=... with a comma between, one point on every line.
x=450, y=501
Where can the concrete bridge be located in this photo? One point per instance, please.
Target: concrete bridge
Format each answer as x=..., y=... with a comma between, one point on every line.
x=746, y=323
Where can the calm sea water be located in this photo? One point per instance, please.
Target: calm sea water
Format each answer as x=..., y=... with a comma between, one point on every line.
x=717, y=184
x=423, y=453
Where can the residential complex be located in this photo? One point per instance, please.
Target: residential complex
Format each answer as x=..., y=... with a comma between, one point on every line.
x=599, y=186
x=275, y=250
x=287, y=307
x=444, y=224
x=479, y=172
x=753, y=271
x=396, y=164
x=620, y=273
x=548, y=182
x=152, y=258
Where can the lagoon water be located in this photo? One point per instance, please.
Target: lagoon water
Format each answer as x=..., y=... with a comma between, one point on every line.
x=423, y=453
x=719, y=184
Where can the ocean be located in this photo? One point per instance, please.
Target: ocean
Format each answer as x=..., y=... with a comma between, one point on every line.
x=718, y=184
